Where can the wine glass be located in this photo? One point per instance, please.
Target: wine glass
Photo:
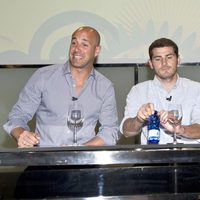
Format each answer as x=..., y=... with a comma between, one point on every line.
x=75, y=119
x=175, y=117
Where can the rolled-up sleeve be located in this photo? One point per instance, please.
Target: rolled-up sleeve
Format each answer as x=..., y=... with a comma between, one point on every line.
x=132, y=105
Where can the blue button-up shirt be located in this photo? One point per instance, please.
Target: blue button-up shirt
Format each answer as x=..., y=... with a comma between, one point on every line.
x=48, y=94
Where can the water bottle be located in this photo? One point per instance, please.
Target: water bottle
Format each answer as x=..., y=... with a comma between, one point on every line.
x=153, y=136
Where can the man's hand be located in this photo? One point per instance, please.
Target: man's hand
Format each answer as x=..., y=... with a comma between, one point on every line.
x=167, y=120
x=145, y=111
x=28, y=139
x=25, y=138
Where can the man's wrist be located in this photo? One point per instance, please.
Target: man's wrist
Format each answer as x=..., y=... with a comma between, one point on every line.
x=181, y=131
x=16, y=132
x=141, y=121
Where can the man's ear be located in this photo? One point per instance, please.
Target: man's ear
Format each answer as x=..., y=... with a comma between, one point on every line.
x=97, y=50
x=150, y=64
x=179, y=61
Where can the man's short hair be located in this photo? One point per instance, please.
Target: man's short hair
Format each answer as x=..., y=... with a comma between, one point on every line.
x=163, y=42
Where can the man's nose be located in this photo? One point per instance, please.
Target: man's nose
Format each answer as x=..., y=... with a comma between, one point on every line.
x=77, y=47
x=164, y=61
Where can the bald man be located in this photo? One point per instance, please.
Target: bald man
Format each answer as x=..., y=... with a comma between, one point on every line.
x=51, y=90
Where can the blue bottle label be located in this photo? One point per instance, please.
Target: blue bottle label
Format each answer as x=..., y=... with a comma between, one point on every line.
x=153, y=129
x=153, y=136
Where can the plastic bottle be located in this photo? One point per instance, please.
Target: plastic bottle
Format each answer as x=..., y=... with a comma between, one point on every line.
x=153, y=136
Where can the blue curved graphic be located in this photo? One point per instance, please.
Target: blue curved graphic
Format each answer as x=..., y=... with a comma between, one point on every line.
x=68, y=18
x=120, y=45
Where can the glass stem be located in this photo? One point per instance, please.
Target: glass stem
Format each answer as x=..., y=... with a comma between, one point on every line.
x=75, y=135
x=175, y=140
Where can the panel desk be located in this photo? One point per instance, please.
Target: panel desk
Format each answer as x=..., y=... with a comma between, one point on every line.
x=138, y=172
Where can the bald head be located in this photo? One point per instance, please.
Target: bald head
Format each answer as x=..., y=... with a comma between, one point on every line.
x=91, y=31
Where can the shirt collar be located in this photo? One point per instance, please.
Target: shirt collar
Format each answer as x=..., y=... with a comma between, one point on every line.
x=158, y=83
x=66, y=70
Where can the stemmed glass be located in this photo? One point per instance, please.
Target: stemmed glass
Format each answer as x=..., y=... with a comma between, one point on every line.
x=175, y=117
x=75, y=119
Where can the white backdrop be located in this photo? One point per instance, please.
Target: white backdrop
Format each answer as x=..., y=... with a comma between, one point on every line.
x=38, y=31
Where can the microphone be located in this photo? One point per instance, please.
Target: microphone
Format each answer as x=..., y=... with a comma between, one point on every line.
x=74, y=98
x=169, y=98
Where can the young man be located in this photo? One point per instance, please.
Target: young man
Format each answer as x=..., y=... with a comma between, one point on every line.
x=167, y=87
x=50, y=92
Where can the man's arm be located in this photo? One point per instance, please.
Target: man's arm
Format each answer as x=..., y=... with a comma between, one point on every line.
x=108, y=119
x=23, y=111
x=132, y=126
x=96, y=141
x=190, y=131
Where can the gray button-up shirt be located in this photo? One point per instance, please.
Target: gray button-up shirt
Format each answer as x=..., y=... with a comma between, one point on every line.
x=48, y=94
